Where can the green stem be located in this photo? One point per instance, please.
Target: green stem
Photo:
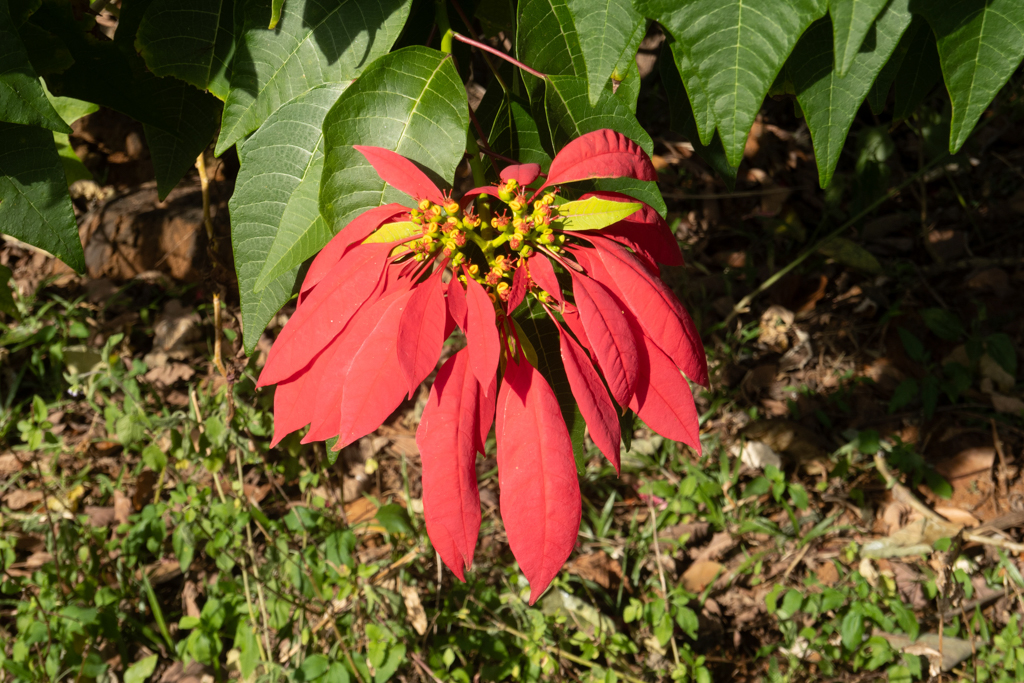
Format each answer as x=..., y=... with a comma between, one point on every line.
x=441, y=18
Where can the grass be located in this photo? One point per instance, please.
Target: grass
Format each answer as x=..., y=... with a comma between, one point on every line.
x=148, y=532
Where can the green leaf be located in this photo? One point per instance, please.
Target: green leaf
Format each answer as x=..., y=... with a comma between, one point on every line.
x=851, y=21
x=543, y=336
x=70, y=110
x=178, y=120
x=944, y=324
x=738, y=48
x=394, y=519
x=141, y=670
x=912, y=345
x=547, y=41
x=980, y=45
x=6, y=298
x=607, y=31
x=275, y=214
x=849, y=253
x=392, y=232
x=249, y=650
x=33, y=194
x=852, y=628
x=154, y=458
x=570, y=115
x=904, y=394
x=312, y=668
x=183, y=543
x=681, y=113
x=594, y=213
x=918, y=71
x=1000, y=346
x=411, y=101
x=703, y=117
x=22, y=99
x=189, y=39
x=275, y=13
x=829, y=101
x=314, y=43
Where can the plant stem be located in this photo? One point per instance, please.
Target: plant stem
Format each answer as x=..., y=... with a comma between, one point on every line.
x=487, y=48
x=441, y=19
x=473, y=34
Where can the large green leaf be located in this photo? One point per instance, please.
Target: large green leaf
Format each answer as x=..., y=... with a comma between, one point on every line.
x=703, y=116
x=570, y=115
x=851, y=20
x=70, y=110
x=830, y=101
x=275, y=217
x=193, y=40
x=293, y=149
x=33, y=195
x=547, y=41
x=411, y=101
x=682, y=118
x=606, y=32
x=737, y=48
x=313, y=43
x=980, y=45
x=179, y=120
x=22, y=99
x=919, y=70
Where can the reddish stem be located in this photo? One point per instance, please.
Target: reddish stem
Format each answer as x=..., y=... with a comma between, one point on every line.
x=497, y=53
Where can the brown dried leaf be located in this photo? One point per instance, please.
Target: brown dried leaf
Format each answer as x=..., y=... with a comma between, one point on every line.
x=22, y=498
x=700, y=574
x=414, y=611
x=122, y=507
x=598, y=567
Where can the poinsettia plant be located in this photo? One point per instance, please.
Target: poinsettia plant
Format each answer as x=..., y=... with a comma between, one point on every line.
x=381, y=298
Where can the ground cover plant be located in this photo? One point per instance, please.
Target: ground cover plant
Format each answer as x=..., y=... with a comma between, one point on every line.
x=839, y=500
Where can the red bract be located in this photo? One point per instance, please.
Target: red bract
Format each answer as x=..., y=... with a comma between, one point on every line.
x=374, y=312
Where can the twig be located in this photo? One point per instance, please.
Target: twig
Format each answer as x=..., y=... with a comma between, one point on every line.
x=1001, y=473
x=903, y=494
x=217, y=360
x=475, y=36
x=418, y=661
x=661, y=576
x=204, y=185
x=245, y=570
x=498, y=53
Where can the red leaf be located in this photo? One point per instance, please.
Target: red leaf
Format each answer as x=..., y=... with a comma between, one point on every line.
x=482, y=333
x=486, y=189
x=358, y=390
x=457, y=302
x=644, y=232
x=293, y=400
x=421, y=331
x=611, y=339
x=523, y=173
x=543, y=274
x=540, y=495
x=571, y=316
x=663, y=318
x=663, y=399
x=600, y=154
x=592, y=398
x=325, y=312
x=448, y=441
x=518, y=290
x=400, y=173
x=353, y=233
